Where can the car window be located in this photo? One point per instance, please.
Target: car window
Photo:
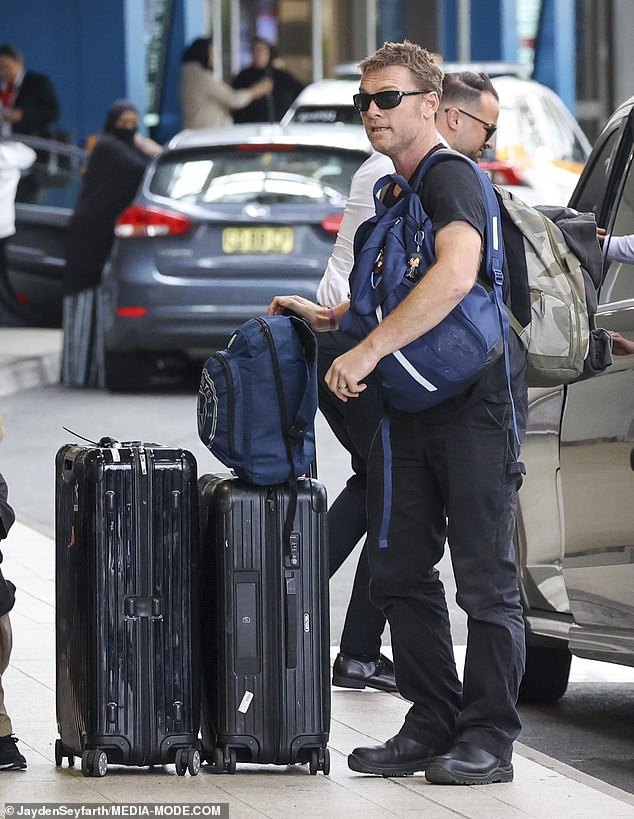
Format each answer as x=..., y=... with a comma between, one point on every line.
x=566, y=144
x=590, y=197
x=618, y=284
x=54, y=180
x=257, y=173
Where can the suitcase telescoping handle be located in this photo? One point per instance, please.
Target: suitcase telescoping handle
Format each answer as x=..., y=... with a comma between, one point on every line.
x=290, y=597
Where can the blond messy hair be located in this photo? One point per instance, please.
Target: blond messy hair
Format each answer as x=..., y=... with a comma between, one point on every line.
x=419, y=61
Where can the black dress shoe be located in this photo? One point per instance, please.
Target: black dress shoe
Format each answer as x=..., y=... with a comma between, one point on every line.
x=399, y=756
x=350, y=673
x=466, y=764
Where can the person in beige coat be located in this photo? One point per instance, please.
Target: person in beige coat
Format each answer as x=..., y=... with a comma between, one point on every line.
x=207, y=101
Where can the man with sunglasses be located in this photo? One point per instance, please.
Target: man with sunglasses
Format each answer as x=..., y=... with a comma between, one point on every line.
x=360, y=663
x=454, y=472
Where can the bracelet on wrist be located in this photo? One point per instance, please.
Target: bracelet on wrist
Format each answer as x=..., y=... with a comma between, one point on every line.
x=332, y=319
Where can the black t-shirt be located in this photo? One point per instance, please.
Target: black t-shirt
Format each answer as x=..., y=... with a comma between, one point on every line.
x=450, y=192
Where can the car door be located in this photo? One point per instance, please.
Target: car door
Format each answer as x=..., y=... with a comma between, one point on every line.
x=597, y=431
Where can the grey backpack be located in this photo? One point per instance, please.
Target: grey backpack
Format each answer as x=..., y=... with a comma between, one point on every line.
x=553, y=310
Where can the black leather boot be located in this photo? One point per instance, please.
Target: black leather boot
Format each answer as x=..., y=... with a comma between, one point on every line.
x=350, y=673
x=399, y=756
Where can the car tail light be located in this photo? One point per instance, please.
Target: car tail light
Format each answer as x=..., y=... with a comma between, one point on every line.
x=131, y=312
x=332, y=223
x=140, y=222
x=503, y=172
x=21, y=297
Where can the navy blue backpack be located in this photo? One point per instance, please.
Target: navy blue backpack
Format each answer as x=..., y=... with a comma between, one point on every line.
x=393, y=250
x=258, y=400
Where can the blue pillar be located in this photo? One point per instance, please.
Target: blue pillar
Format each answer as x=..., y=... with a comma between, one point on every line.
x=555, y=54
x=449, y=30
x=187, y=23
x=493, y=30
x=391, y=21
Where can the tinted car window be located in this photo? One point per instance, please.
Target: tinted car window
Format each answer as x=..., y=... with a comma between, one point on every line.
x=590, y=198
x=568, y=146
x=250, y=173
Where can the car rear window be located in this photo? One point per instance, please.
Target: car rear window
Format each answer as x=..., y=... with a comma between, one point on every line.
x=263, y=173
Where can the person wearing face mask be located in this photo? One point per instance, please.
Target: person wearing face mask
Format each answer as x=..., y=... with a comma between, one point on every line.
x=111, y=178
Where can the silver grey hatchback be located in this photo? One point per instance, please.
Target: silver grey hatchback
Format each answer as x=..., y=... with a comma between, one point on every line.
x=224, y=220
x=575, y=531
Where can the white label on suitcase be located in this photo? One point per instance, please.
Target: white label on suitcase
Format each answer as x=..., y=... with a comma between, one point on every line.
x=246, y=702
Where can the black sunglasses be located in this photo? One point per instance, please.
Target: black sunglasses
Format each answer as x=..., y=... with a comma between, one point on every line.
x=383, y=100
x=489, y=128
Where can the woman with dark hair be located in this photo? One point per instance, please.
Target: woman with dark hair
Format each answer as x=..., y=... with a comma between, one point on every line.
x=206, y=100
x=113, y=174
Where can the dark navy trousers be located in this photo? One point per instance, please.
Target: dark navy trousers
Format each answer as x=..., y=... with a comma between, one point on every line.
x=450, y=476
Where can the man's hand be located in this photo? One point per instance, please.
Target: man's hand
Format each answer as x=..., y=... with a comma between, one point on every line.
x=344, y=376
x=620, y=345
x=308, y=310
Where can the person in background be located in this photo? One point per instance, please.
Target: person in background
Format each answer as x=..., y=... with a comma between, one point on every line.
x=29, y=102
x=207, y=101
x=113, y=174
x=286, y=87
x=10, y=758
x=14, y=158
x=359, y=662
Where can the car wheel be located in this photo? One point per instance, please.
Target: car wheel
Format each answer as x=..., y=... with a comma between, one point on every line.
x=126, y=371
x=546, y=675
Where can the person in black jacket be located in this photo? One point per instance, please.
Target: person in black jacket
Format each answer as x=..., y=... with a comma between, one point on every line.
x=29, y=102
x=113, y=174
x=270, y=108
x=10, y=757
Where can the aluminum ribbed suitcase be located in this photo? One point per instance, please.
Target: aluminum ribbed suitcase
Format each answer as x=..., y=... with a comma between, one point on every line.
x=127, y=653
x=265, y=633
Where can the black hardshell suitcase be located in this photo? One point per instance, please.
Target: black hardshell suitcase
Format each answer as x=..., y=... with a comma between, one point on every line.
x=127, y=625
x=265, y=637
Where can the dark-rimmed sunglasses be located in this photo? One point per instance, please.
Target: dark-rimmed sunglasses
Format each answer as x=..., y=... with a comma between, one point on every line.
x=489, y=127
x=383, y=99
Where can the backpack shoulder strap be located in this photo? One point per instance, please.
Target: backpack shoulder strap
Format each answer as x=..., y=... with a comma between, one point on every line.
x=494, y=244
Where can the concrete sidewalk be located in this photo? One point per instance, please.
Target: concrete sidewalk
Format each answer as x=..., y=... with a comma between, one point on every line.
x=29, y=357
x=543, y=787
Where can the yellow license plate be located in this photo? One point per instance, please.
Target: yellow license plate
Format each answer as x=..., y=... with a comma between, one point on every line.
x=257, y=240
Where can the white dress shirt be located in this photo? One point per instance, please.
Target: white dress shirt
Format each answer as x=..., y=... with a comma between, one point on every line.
x=333, y=288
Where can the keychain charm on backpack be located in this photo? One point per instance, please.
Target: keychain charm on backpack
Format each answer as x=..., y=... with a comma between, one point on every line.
x=413, y=263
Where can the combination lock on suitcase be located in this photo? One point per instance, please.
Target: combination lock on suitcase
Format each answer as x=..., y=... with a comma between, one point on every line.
x=265, y=633
x=126, y=536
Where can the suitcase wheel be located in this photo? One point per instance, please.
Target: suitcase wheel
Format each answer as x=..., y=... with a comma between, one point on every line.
x=224, y=760
x=187, y=759
x=319, y=761
x=61, y=752
x=94, y=762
